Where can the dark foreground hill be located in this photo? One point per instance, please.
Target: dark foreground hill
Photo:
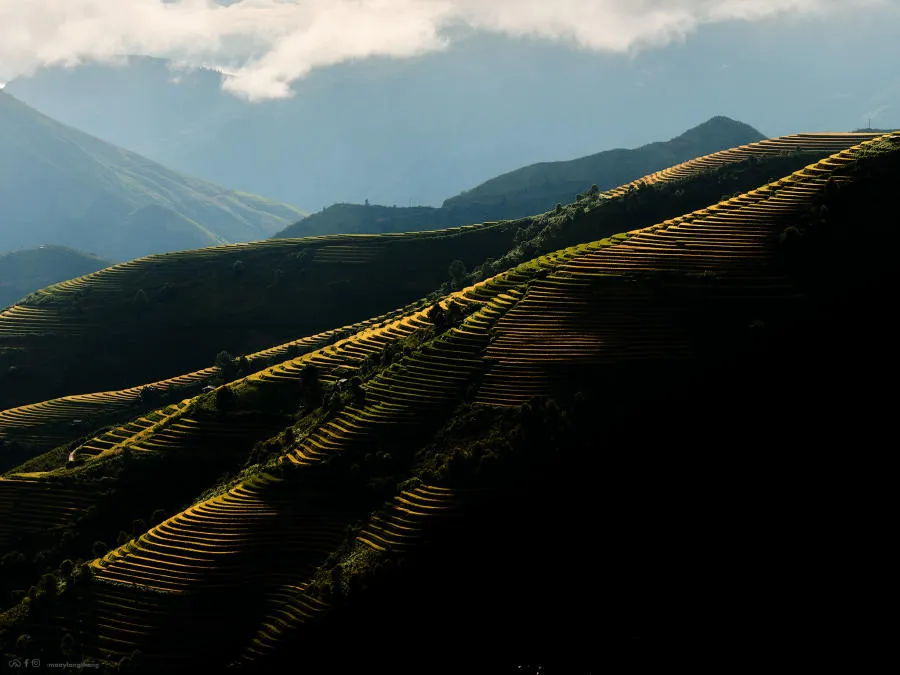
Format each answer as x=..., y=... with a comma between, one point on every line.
x=22, y=272
x=622, y=454
x=61, y=186
x=532, y=189
x=162, y=316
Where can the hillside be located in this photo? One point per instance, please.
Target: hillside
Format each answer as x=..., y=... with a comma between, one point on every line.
x=60, y=186
x=607, y=447
x=537, y=188
x=186, y=307
x=532, y=189
x=22, y=272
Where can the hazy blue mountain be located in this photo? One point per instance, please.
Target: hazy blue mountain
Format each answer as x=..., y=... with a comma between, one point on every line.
x=536, y=188
x=413, y=132
x=22, y=272
x=61, y=186
x=532, y=189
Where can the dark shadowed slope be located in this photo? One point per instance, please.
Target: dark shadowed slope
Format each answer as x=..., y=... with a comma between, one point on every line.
x=161, y=316
x=605, y=454
x=61, y=186
x=22, y=272
x=531, y=189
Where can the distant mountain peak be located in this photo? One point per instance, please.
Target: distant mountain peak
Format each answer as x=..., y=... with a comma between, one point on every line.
x=59, y=185
x=720, y=124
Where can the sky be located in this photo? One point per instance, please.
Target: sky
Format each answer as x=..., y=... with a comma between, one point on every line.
x=264, y=47
x=308, y=122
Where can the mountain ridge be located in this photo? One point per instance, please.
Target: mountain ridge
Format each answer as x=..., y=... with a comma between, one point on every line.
x=532, y=189
x=109, y=200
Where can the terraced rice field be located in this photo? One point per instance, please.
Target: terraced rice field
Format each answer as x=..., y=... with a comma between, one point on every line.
x=28, y=318
x=808, y=142
x=411, y=516
x=252, y=542
x=44, y=424
x=51, y=423
x=258, y=545
x=30, y=506
x=593, y=310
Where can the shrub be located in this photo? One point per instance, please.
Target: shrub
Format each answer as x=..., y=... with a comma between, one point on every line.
x=225, y=398
x=227, y=366
x=437, y=316
x=66, y=567
x=357, y=393
x=149, y=395
x=457, y=272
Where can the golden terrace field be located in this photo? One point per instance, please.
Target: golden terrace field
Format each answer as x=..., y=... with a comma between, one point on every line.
x=346, y=490
x=43, y=425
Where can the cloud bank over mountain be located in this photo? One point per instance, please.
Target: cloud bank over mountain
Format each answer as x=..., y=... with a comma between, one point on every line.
x=263, y=46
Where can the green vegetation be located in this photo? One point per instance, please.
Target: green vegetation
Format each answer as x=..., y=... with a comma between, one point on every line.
x=201, y=302
x=110, y=201
x=621, y=425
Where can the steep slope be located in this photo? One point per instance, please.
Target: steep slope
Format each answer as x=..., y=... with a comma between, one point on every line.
x=22, y=272
x=61, y=186
x=424, y=494
x=532, y=189
x=184, y=308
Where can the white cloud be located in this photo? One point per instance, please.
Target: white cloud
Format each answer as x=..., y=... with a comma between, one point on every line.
x=265, y=45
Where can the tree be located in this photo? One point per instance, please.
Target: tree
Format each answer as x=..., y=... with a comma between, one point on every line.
x=357, y=392
x=149, y=395
x=310, y=387
x=227, y=366
x=437, y=316
x=82, y=574
x=243, y=367
x=66, y=567
x=99, y=549
x=334, y=402
x=225, y=398
x=457, y=272
x=454, y=313
x=48, y=584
